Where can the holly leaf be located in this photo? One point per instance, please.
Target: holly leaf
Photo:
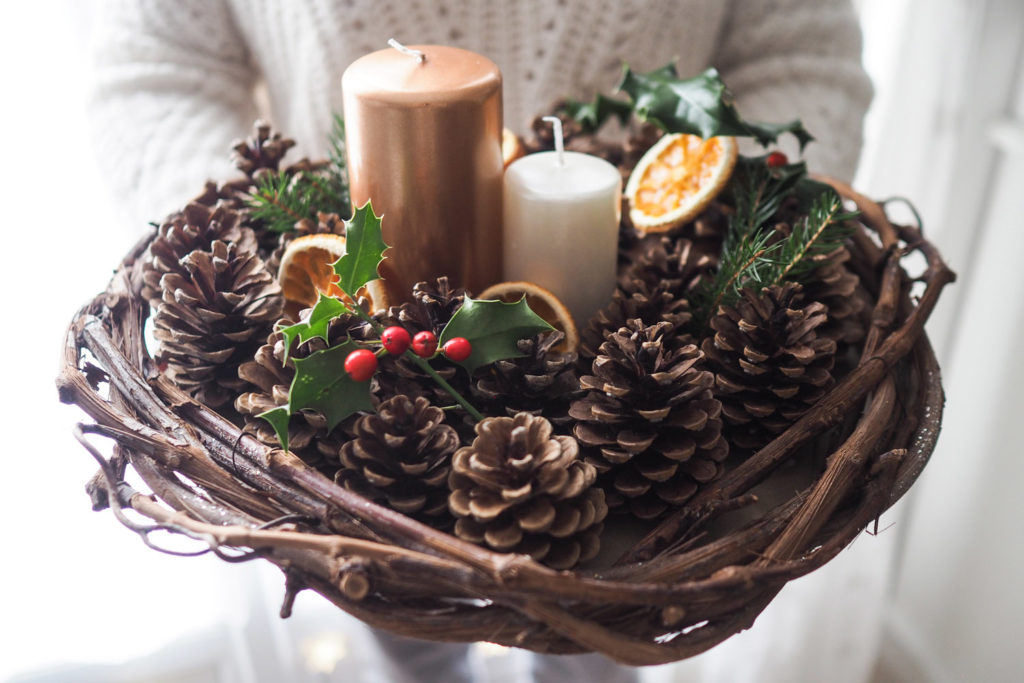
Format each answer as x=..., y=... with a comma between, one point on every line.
x=592, y=115
x=493, y=328
x=327, y=308
x=364, y=250
x=322, y=384
x=701, y=105
x=278, y=419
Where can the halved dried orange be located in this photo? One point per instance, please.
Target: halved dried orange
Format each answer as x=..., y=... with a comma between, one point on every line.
x=306, y=270
x=511, y=146
x=677, y=178
x=543, y=303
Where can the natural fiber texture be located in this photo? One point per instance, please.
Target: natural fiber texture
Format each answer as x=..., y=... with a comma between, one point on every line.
x=693, y=580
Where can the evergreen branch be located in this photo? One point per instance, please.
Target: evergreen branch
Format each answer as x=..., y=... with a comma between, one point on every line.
x=821, y=232
x=745, y=262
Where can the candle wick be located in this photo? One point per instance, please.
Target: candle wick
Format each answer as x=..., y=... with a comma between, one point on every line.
x=417, y=54
x=559, y=142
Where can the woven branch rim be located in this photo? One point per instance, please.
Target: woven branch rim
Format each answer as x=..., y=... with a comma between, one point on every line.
x=668, y=599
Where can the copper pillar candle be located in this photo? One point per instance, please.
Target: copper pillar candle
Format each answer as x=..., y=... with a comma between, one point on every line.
x=424, y=145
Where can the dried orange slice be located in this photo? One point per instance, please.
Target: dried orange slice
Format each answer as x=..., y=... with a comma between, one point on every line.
x=543, y=303
x=511, y=146
x=677, y=178
x=306, y=271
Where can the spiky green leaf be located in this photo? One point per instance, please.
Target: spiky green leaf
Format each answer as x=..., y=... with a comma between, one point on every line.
x=322, y=384
x=364, y=250
x=493, y=328
x=327, y=308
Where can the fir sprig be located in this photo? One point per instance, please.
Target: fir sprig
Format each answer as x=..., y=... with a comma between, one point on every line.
x=755, y=254
x=283, y=198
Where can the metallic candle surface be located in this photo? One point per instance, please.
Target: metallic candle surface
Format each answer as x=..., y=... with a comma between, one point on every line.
x=424, y=145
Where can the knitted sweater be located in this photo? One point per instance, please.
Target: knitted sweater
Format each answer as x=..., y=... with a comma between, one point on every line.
x=176, y=81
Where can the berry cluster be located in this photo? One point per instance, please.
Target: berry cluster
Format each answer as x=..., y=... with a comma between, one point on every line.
x=362, y=363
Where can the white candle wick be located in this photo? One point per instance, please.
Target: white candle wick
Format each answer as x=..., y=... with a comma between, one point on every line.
x=416, y=54
x=559, y=142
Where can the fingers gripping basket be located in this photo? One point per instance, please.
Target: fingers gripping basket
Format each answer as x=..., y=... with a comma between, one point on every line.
x=694, y=580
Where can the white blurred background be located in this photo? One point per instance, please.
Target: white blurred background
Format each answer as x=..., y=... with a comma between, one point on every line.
x=936, y=596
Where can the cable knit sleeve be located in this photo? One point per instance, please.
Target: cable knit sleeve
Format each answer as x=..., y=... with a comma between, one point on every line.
x=173, y=87
x=785, y=59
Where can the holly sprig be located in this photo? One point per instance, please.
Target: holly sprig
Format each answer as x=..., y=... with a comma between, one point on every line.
x=335, y=380
x=702, y=105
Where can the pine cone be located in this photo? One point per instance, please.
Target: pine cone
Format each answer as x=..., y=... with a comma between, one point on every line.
x=264, y=149
x=519, y=489
x=432, y=306
x=840, y=289
x=230, y=194
x=648, y=304
x=268, y=380
x=770, y=362
x=653, y=289
x=573, y=137
x=211, y=318
x=649, y=421
x=195, y=227
x=401, y=456
x=541, y=382
x=640, y=139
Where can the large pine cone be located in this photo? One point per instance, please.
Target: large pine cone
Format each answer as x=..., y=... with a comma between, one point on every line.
x=195, y=227
x=541, y=382
x=401, y=456
x=268, y=378
x=519, y=489
x=212, y=317
x=649, y=422
x=770, y=362
x=654, y=289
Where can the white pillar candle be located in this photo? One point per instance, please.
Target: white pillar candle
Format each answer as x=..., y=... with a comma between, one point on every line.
x=562, y=224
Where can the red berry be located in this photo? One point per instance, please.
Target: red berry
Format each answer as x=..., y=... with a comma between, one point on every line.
x=424, y=344
x=360, y=364
x=776, y=159
x=396, y=340
x=458, y=348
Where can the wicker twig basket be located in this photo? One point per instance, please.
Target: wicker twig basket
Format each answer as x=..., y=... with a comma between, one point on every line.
x=687, y=585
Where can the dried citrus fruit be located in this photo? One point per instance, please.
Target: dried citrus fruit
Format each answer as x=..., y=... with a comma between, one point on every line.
x=677, y=178
x=306, y=271
x=511, y=146
x=543, y=303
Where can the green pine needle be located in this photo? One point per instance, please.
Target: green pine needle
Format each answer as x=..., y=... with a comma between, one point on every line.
x=282, y=199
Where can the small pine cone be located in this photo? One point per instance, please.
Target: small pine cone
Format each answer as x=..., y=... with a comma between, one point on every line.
x=401, y=457
x=196, y=227
x=518, y=489
x=640, y=139
x=573, y=136
x=542, y=382
x=268, y=379
x=211, y=318
x=431, y=307
x=263, y=150
x=649, y=421
x=230, y=194
x=770, y=362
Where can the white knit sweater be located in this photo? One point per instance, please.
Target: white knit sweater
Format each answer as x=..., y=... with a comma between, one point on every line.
x=177, y=80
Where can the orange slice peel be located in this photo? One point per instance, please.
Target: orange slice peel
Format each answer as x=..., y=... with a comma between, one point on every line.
x=677, y=178
x=307, y=270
